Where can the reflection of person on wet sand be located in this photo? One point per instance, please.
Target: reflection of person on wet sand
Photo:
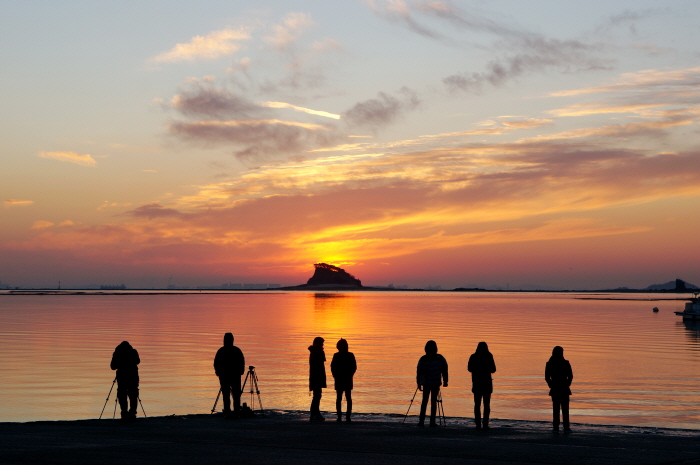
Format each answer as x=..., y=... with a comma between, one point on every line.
x=559, y=375
x=481, y=366
x=229, y=366
x=430, y=374
x=343, y=368
x=317, y=377
x=125, y=360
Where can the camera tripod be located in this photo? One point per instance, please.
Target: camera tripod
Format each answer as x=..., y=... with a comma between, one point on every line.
x=440, y=408
x=254, y=390
x=115, y=403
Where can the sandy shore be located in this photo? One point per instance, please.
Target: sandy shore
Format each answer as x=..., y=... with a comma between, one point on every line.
x=289, y=438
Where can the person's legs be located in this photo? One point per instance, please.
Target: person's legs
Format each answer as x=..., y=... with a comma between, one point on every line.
x=423, y=406
x=225, y=393
x=487, y=409
x=348, y=398
x=477, y=410
x=235, y=387
x=316, y=404
x=565, y=412
x=556, y=404
x=339, y=404
x=433, y=404
x=122, y=396
x=133, y=394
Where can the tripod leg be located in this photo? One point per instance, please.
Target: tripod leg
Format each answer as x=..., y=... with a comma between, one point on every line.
x=107, y=399
x=441, y=409
x=245, y=380
x=257, y=390
x=213, y=409
x=409, y=406
x=144, y=412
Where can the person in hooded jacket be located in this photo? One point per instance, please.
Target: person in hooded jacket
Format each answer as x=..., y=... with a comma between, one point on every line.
x=229, y=366
x=431, y=373
x=481, y=365
x=125, y=360
x=317, y=377
x=559, y=375
x=343, y=368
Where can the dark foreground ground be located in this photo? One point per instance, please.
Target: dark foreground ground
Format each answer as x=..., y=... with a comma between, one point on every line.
x=287, y=437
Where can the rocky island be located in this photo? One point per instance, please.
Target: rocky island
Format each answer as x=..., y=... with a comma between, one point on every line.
x=330, y=277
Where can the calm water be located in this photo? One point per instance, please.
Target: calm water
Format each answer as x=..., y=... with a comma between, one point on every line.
x=631, y=366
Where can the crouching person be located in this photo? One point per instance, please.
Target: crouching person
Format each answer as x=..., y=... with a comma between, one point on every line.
x=125, y=360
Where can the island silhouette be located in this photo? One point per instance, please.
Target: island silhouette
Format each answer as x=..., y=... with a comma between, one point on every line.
x=330, y=277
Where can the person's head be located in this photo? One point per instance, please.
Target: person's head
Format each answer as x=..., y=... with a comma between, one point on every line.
x=318, y=341
x=482, y=347
x=228, y=339
x=558, y=352
x=431, y=347
x=342, y=345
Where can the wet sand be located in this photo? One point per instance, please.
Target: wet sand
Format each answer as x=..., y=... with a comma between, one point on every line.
x=289, y=438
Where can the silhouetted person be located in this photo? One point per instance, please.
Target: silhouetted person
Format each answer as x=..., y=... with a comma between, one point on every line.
x=558, y=375
x=229, y=366
x=317, y=377
x=431, y=373
x=343, y=368
x=481, y=366
x=125, y=360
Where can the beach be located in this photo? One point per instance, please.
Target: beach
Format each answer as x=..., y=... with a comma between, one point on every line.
x=288, y=437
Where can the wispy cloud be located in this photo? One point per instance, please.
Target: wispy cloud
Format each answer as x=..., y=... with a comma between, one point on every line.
x=70, y=157
x=9, y=203
x=521, y=52
x=260, y=139
x=214, y=45
x=42, y=224
x=301, y=109
x=647, y=80
x=383, y=110
x=284, y=35
x=203, y=99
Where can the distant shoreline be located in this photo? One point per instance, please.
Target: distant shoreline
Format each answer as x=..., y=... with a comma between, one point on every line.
x=664, y=295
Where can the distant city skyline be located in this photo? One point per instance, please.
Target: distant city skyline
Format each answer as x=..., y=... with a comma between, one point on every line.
x=419, y=143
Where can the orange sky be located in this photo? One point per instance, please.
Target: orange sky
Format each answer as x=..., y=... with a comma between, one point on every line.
x=551, y=158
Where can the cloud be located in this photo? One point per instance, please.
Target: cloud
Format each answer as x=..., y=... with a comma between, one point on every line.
x=524, y=52
x=301, y=109
x=399, y=11
x=70, y=157
x=260, y=139
x=648, y=80
x=207, y=100
x=214, y=45
x=383, y=110
x=42, y=224
x=154, y=210
x=9, y=203
x=285, y=35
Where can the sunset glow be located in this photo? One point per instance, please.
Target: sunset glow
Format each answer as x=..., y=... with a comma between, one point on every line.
x=413, y=143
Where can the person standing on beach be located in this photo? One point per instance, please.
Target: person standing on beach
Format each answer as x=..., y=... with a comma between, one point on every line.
x=317, y=377
x=431, y=373
x=125, y=360
x=229, y=366
x=559, y=375
x=343, y=368
x=481, y=366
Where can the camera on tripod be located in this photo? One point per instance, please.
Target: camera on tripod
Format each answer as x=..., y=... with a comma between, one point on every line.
x=251, y=379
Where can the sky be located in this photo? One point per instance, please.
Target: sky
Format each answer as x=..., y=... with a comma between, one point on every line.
x=541, y=144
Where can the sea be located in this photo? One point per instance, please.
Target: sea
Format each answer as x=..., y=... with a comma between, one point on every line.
x=632, y=366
